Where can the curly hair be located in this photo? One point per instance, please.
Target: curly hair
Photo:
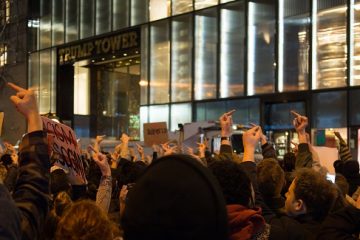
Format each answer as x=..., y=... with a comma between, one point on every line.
x=84, y=220
x=235, y=183
x=316, y=191
x=270, y=177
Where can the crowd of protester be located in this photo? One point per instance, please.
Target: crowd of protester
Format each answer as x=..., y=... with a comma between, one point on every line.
x=178, y=192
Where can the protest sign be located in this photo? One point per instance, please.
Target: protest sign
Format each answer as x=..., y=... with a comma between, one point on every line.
x=155, y=133
x=62, y=140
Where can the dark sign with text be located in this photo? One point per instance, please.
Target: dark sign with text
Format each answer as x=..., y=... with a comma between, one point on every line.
x=62, y=141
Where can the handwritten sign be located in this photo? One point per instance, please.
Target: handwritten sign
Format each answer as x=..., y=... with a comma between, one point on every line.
x=62, y=140
x=155, y=133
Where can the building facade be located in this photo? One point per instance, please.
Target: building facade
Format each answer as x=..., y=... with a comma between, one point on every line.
x=108, y=66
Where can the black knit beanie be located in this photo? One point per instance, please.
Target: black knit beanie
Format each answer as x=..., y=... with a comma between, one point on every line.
x=175, y=198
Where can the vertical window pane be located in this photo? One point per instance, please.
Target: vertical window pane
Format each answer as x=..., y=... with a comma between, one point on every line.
x=53, y=80
x=81, y=90
x=159, y=113
x=144, y=80
x=329, y=110
x=144, y=118
x=58, y=22
x=103, y=16
x=210, y=111
x=159, y=9
x=159, y=62
x=355, y=45
x=199, y=4
x=139, y=11
x=71, y=20
x=181, y=64
x=45, y=24
x=87, y=18
x=181, y=6
x=205, y=54
x=120, y=14
x=354, y=107
x=330, y=44
x=33, y=34
x=247, y=110
x=180, y=113
x=232, y=50
x=261, y=48
x=34, y=73
x=45, y=81
x=294, y=45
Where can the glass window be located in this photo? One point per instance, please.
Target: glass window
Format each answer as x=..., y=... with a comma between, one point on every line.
x=225, y=1
x=355, y=45
x=45, y=82
x=209, y=111
x=57, y=22
x=103, y=16
x=181, y=6
x=329, y=110
x=144, y=79
x=247, y=110
x=293, y=45
x=159, y=62
x=261, y=48
x=45, y=24
x=232, y=50
x=180, y=113
x=159, y=113
x=181, y=59
x=354, y=107
x=199, y=4
x=3, y=54
x=139, y=11
x=81, y=90
x=53, y=80
x=34, y=73
x=279, y=116
x=87, y=18
x=159, y=9
x=144, y=118
x=71, y=22
x=33, y=34
x=330, y=44
x=205, y=54
x=120, y=14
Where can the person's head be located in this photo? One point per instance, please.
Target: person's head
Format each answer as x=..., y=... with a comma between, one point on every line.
x=270, y=177
x=310, y=193
x=6, y=160
x=289, y=162
x=234, y=182
x=61, y=202
x=59, y=182
x=175, y=198
x=351, y=169
x=342, y=184
x=86, y=221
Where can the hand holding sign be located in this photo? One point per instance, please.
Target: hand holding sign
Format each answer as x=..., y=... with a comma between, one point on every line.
x=25, y=103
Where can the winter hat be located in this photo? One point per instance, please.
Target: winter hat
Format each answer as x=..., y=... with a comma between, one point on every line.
x=175, y=198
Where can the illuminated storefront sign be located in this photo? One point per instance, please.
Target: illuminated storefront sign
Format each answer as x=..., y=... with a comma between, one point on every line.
x=100, y=46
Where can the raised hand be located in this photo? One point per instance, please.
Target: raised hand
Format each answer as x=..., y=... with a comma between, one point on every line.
x=101, y=160
x=300, y=122
x=226, y=123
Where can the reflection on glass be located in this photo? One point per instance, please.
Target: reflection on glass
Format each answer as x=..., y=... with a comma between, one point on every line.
x=45, y=81
x=200, y=4
x=81, y=90
x=261, y=48
x=247, y=110
x=53, y=80
x=331, y=44
x=144, y=115
x=45, y=24
x=293, y=45
x=205, y=54
x=57, y=22
x=355, y=46
x=120, y=14
x=180, y=113
x=34, y=73
x=159, y=9
x=181, y=6
x=329, y=110
x=144, y=80
x=159, y=62
x=139, y=11
x=103, y=16
x=86, y=18
x=71, y=21
x=225, y=1
x=181, y=64
x=159, y=113
x=232, y=50
x=209, y=111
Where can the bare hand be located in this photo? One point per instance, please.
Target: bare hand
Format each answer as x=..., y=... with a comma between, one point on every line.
x=251, y=137
x=300, y=122
x=226, y=123
x=99, y=139
x=124, y=138
x=101, y=160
